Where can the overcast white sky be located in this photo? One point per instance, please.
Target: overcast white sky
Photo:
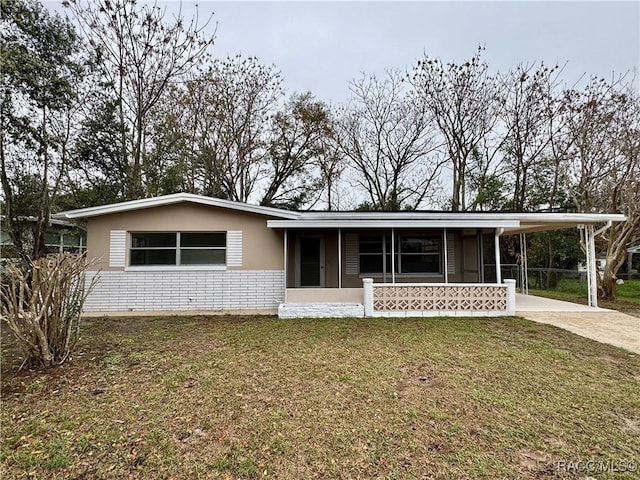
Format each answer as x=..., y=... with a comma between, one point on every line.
x=320, y=46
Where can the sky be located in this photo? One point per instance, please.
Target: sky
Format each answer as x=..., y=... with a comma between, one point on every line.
x=320, y=46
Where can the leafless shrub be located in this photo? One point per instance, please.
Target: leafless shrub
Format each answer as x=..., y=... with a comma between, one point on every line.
x=41, y=305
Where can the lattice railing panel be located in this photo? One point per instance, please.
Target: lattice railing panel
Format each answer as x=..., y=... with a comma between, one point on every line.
x=449, y=297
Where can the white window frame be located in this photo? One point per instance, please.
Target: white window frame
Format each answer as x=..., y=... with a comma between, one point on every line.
x=177, y=248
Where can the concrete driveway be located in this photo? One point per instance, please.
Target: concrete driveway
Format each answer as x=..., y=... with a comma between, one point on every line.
x=600, y=324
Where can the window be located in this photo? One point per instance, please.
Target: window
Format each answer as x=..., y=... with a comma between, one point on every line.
x=373, y=248
x=419, y=254
x=414, y=254
x=178, y=248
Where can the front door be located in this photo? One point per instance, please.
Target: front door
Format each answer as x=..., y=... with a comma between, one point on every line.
x=310, y=259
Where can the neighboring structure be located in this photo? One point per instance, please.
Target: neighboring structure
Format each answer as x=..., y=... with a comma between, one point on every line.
x=631, y=251
x=187, y=252
x=61, y=236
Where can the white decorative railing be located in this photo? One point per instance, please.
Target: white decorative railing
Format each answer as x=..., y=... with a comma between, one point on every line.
x=439, y=297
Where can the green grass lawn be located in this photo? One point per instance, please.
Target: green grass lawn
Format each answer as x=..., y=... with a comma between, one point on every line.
x=628, y=300
x=257, y=397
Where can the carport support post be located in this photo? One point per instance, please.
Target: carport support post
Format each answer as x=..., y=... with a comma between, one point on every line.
x=592, y=270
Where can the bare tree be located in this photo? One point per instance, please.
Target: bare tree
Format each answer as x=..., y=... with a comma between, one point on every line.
x=296, y=148
x=331, y=165
x=463, y=101
x=603, y=162
x=388, y=140
x=530, y=121
x=242, y=96
x=139, y=54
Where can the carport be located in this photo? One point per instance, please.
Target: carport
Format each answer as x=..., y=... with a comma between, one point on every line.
x=585, y=222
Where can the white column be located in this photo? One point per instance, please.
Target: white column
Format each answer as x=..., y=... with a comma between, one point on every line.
x=497, y=249
x=524, y=267
x=480, y=246
x=384, y=256
x=445, y=247
x=286, y=254
x=393, y=256
x=339, y=258
x=511, y=296
x=525, y=285
x=592, y=270
x=367, y=286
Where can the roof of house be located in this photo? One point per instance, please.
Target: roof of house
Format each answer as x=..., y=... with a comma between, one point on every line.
x=170, y=200
x=508, y=222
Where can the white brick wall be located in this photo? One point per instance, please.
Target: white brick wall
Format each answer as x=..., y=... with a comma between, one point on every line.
x=186, y=290
x=321, y=310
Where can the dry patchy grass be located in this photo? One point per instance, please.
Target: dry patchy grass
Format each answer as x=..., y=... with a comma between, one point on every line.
x=257, y=397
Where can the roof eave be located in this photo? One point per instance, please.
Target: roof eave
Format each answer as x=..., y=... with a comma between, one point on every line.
x=372, y=223
x=171, y=200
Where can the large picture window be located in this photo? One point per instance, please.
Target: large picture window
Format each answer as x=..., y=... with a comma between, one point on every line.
x=414, y=254
x=178, y=248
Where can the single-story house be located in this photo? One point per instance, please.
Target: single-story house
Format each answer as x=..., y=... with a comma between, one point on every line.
x=186, y=252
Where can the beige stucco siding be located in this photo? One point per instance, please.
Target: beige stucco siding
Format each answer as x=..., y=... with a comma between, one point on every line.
x=261, y=246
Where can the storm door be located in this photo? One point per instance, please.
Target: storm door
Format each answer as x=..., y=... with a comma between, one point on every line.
x=310, y=261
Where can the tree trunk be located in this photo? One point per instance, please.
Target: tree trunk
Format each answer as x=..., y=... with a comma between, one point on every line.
x=609, y=284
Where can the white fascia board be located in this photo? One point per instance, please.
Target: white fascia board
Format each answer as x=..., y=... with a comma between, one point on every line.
x=339, y=223
x=544, y=222
x=522, y=217
x=172, y=199
x=542, y=218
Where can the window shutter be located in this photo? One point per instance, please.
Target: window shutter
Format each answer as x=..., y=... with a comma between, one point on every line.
x=451, y=253
x=351, y=254
x=234, y=248
x=117, y=248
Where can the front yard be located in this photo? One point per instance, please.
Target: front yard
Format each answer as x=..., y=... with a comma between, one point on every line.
x=257, y=397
